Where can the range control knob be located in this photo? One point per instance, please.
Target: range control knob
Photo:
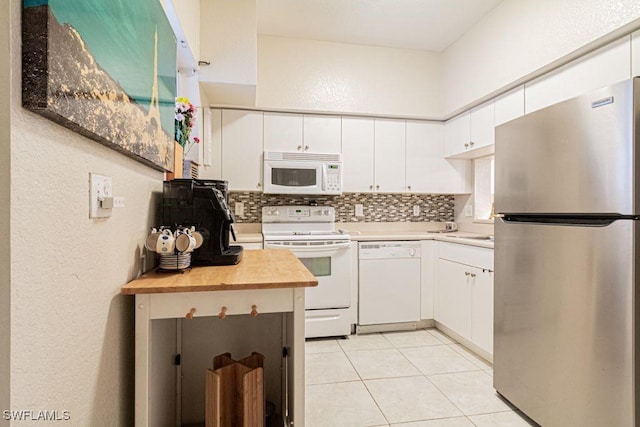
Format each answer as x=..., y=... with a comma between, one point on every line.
x=325, y=212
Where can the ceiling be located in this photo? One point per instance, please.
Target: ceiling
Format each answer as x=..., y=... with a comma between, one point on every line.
x=412, y=24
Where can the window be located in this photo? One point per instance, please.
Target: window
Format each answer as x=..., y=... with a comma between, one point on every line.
x=483, y=185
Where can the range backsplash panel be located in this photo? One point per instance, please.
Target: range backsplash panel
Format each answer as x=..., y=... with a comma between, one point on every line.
x=377, y=207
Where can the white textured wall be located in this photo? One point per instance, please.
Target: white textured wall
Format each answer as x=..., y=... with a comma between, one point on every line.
x=5, y=211
x=296, y=74
x=72, y=332
x=520, y=37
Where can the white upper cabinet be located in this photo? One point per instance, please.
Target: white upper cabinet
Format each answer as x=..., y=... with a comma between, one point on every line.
x=242, y=149
x=427, y=171
x=283, y=132
x=302, y=133
x=635, y=54
x=457, y=134
x=509, y=106
x=322, y=134
x=605, y=66
x=357, y=154
x=482, y=127
x=211, y=144
x=389, y=159
x=471, y=134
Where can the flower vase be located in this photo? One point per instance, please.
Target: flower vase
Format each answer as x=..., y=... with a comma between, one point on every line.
x=178, y=153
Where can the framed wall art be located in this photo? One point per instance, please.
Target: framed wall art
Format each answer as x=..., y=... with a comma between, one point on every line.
x=105, y=69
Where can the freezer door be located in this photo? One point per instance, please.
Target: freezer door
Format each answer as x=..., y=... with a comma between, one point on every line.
x=564, y=322
x=573, y=157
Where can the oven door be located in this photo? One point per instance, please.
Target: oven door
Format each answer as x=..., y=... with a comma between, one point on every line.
x=286, y=177
x=331, y=264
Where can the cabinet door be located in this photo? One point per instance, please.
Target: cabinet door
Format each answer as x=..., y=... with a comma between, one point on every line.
x=322, y=134
x=453, y=297
x=357, y=154
x=242, y=149
x=427, y=279
x=605, y=66
x=427, y=169
x=283, y=132
x=212, y=145
x=509, y=106
x=389, y=159
x=457, y=133
x=482, y=309
x=482, y=126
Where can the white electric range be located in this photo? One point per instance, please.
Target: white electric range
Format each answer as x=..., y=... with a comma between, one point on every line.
x=309, y=232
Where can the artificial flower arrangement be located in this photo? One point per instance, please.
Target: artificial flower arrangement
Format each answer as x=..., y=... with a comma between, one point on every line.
x=185, y=120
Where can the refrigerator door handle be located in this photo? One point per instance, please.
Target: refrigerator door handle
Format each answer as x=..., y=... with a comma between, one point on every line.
x=585, y=220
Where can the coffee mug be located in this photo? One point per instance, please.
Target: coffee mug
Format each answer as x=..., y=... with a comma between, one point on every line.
x=152, y=240
x=185, y=241
x=450, y=226
x=166, y=243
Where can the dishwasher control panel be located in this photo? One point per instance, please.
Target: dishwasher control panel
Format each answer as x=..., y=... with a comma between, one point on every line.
x=385, y=250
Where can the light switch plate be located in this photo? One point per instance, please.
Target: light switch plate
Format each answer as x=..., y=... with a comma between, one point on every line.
x=416, y=210
x=468, y=210
x=359, y=210
x=99, y=186
x=239, y=209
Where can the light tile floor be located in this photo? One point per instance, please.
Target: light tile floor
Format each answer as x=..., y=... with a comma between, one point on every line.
x=413, y=379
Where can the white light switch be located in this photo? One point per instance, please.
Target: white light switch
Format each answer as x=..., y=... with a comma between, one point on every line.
x=101, y=187
x=416, y=210
x=468, y=210
x=359, y=210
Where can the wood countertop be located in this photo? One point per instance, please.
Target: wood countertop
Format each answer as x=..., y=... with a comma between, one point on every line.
x=259, y=269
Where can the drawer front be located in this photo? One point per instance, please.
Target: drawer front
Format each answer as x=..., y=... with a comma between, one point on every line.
x=176, y=305
x=465, y=254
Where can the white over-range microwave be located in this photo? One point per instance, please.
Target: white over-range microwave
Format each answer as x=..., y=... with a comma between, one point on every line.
x=302, y=173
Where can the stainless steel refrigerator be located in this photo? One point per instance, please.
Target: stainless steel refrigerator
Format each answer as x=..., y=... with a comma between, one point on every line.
x=566, y=260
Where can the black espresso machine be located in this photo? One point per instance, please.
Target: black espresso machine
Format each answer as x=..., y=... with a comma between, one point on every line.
x=203, y=204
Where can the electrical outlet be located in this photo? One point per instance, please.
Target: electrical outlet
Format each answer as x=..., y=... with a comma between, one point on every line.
x=359, y=210
x=100, y=187
x=118, y=202
x=416, y=210
x=239, y=208
x=468, y=210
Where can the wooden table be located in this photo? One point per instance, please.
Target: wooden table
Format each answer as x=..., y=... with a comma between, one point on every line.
x=265, y=281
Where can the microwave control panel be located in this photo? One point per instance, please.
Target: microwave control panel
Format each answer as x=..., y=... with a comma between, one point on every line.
x=334, y=177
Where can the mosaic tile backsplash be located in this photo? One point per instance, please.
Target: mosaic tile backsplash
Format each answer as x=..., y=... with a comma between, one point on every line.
x=377, y=207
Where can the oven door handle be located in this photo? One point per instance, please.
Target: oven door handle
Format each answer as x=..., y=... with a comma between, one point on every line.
x=309, y=248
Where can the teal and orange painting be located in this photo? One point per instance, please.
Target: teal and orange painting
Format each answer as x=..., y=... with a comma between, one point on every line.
x=105, y=69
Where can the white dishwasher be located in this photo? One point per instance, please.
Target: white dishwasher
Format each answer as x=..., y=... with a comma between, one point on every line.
x=389, y=282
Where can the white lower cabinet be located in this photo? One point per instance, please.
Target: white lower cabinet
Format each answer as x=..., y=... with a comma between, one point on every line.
x=464, y=292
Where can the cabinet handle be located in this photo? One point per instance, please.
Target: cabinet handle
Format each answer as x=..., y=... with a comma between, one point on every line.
x=223, y=313
x=371, y=187
x=306, y=147
x=299, y=147
x=466, y=145
x=254, y=310
x=190, y=314
x=471, y=144
x=472, y=275
x=466, y=273
x=258, y=185
x=409, y=188
x=377, y=187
